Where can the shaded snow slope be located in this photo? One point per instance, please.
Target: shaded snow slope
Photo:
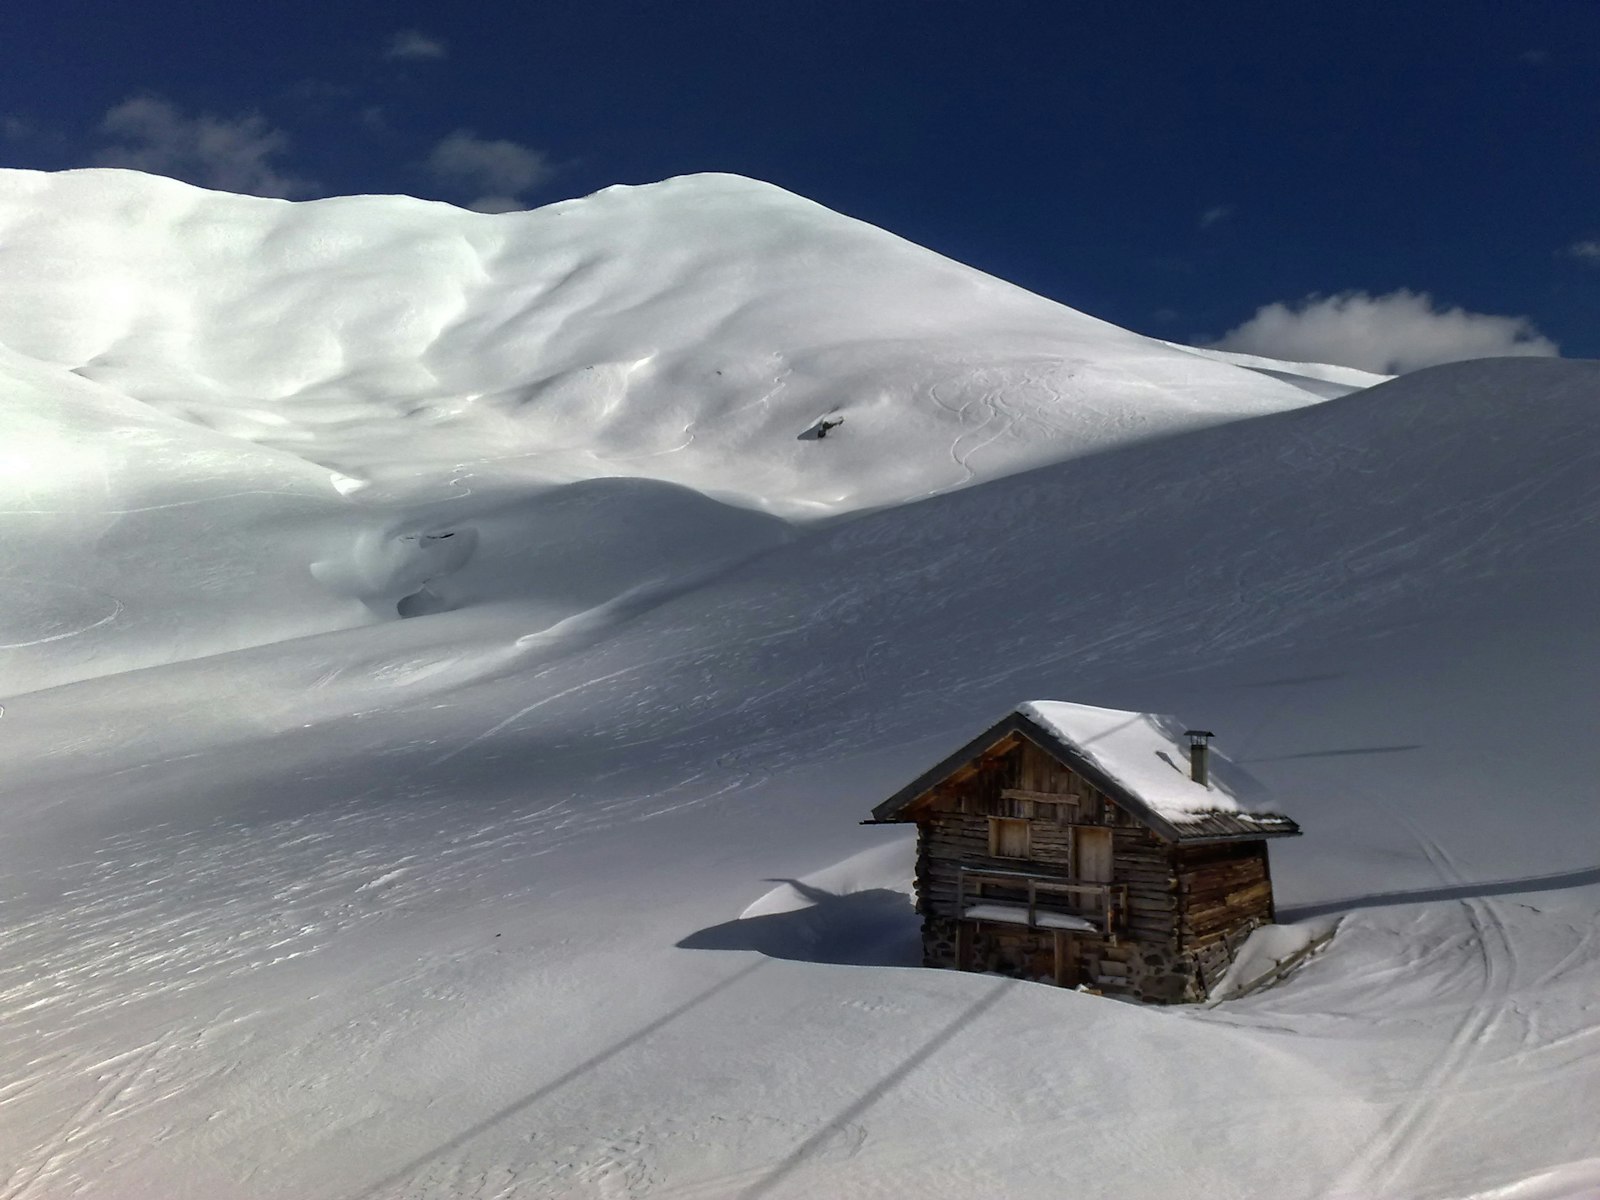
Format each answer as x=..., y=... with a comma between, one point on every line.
x=129, y=538
x=435, y=908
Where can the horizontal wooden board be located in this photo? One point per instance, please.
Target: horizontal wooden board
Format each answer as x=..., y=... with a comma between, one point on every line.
x=1072, y=798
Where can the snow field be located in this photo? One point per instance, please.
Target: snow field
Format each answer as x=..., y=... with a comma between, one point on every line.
x=555, y=888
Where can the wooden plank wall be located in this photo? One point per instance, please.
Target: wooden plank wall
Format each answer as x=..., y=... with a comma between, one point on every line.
x=1188, y=908
x=1222, y=887
x=1145, y=863
x=1036, y=771
x=951, y=841
x=956, y=834
x=1023, y=766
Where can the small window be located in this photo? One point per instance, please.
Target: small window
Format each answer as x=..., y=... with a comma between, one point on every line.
x=1008, y=838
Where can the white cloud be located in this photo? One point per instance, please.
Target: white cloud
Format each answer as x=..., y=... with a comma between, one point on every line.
x=1217, y=212
x=233, y=155
x=1587, y=251
x=498, y=170
x=412, y=45
x=1399, y=332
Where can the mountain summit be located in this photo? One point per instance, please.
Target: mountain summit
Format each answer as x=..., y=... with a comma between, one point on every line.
x=691, y=331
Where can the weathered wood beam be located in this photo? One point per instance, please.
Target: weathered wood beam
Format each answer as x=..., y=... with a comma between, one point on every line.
x=1041, y=797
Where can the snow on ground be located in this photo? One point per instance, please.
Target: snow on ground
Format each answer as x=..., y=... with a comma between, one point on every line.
x=554, y=888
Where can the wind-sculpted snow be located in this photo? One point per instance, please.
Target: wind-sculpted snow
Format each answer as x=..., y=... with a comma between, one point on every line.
x=1320, y=379
x=435, y=801
x=688, y=331
x=342, y=383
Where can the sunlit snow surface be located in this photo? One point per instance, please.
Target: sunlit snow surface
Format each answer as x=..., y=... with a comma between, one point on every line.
x=554, y=887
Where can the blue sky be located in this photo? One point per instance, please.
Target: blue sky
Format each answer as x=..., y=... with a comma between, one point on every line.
x=1172, y=167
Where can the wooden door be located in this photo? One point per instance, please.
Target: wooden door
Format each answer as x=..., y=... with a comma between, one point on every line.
x=1093, y=855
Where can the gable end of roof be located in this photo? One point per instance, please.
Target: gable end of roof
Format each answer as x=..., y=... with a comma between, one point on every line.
x=1220, y=826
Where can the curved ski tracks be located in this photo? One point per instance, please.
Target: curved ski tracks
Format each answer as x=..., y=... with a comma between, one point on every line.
x=1383, y=1165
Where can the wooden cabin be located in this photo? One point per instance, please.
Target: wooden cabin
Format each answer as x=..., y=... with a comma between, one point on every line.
x=1088, y=846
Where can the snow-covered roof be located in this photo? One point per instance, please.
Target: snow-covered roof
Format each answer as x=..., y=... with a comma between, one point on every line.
x=1140, y=759
x=1144, y=752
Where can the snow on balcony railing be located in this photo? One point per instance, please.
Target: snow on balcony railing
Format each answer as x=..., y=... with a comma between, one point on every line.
x=1045, y=903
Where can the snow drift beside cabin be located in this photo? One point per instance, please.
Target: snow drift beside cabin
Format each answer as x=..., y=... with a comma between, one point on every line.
x=1145, y=753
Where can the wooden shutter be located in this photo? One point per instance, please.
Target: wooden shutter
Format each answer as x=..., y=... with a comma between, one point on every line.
x=1008, y=838
x=1093, y=855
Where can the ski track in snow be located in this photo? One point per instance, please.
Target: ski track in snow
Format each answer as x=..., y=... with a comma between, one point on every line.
x=121, y=1090
x=994, y=411
x=316, y=877
x=1404, y=1137
x=117, y=609
x=161, y=916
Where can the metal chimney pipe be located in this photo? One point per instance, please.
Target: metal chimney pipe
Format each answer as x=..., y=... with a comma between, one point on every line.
x=1200, y=755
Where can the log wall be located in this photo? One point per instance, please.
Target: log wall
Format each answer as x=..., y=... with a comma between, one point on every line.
x=1188, y=908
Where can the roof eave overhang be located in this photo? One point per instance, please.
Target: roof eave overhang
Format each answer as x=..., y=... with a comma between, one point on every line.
x=1256, y=835
x=892, y=810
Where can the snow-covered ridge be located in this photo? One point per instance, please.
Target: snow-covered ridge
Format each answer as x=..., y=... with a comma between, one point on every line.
x=691, y=331
x=378, y=399
x=1327, y=380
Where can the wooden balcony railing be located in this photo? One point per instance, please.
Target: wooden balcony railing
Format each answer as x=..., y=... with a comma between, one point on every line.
x=1031, y=899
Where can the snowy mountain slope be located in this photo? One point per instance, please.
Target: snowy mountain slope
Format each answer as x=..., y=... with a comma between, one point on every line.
x=119, y=526
x=689, y=331
x=559, y=891
x=1403, y=649
x=1326, y=380
x=129, y=538
x=418, y=370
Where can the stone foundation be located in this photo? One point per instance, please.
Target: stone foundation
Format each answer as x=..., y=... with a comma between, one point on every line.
x=1148, y=971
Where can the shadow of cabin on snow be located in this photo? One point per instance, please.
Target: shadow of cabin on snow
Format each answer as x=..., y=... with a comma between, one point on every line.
x=1084, y=845
x=875, y=928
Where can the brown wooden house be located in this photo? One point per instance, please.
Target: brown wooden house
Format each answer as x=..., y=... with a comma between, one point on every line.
x=1088, y=846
